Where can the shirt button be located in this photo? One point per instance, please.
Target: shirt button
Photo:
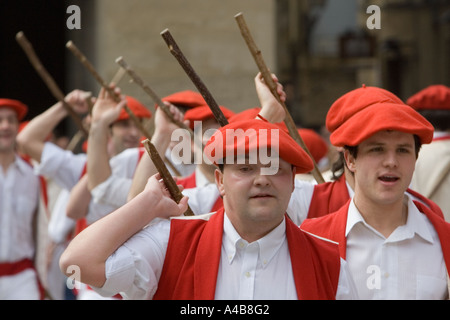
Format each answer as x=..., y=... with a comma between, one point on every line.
x=247, y=274
x=386, y=274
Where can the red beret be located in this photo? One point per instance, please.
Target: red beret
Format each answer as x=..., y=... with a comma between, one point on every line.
x=203, y=113
x=246, y=114
x=435, y=97
x=362, y=112
x=187, y=98
x=258, y=134
x=139, y=110
x=20, y=108
x=251, y=114
x=316, y=145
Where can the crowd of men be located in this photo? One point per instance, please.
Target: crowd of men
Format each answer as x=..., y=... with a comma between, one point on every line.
x=378, y=228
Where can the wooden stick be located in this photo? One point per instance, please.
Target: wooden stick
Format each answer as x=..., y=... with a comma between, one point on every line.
x=256, y=53
x=138, y=80
x=118, y=76
x=70, y=45
x=48, y=79
x=165, y=175
x=176, y=52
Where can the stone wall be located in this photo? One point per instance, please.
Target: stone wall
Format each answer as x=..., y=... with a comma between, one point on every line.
x=205, y=31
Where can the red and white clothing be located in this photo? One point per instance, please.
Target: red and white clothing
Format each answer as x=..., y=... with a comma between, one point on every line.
x=19, y=198
x=108, y=196
x=64, y=169
x=228, y=266
x=412, y=263
x=432, y=174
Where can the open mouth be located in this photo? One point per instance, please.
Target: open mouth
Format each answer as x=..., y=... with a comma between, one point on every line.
x=388, y=178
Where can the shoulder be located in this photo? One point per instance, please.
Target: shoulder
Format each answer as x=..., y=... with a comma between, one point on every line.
x=321, y=223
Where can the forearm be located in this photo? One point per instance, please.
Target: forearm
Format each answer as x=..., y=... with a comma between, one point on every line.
x=91, y=248
x=146, y=168
x=80, y=197
x=98, y=166
x=31, y=139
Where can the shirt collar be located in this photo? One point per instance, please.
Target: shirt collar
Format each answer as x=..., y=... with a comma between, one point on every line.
x=268, y=245
x=414, y=223
x=21, y=165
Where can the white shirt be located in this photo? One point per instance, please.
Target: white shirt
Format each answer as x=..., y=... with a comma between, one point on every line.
x=114, y=190
x=63, y=166
x=409, y=264
x=19, y=196
x=259, y=270
x=202, y=199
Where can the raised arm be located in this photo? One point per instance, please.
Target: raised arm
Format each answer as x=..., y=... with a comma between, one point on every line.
x=91, y=248
x=32, y=138
x=161, y=140
x=104, y=113
x=271, y=109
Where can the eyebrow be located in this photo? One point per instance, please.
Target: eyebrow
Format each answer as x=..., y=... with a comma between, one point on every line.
x=404, y=145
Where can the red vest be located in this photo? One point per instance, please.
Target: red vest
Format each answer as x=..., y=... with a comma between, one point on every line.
x=188, y=181
x=329, y=197
x=333, y=227
x=193, y=256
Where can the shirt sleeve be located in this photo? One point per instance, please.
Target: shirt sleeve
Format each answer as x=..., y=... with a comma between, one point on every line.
x=134, y=269
x=346, y=287
x=112, y=191
x=300, y=201
x=63, y=166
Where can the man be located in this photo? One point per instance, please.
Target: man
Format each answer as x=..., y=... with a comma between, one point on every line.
x=19, y=196
x=113, y=154
x=248, y=250
x=432, y=174
x=396, y=248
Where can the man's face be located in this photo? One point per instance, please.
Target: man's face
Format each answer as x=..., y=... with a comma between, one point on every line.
x=384, y=166
x=9, y=126
x=125, y=134
x=251, y=198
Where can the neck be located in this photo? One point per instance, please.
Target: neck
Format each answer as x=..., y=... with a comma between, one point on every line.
x=253, y=231
x=384, y=218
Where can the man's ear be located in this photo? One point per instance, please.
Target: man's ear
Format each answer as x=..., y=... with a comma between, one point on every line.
x=349, y=160
x=218, y=175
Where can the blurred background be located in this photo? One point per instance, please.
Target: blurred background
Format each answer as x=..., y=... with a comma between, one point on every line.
x=319, y=49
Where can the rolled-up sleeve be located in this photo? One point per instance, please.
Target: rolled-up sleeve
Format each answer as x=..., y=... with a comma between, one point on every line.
x=134, y=269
